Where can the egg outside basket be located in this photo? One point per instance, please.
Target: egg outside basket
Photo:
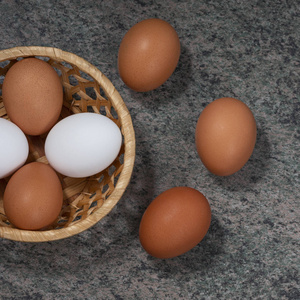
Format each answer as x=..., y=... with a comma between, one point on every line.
x=86, y=200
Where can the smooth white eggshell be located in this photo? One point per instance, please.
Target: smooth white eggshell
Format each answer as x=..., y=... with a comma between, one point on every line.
x=83, y=144
x=14, y=148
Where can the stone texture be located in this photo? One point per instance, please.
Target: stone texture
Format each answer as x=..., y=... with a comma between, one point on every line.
x=243, y=49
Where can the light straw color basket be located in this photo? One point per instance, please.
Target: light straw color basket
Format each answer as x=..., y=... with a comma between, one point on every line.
x=86, y=200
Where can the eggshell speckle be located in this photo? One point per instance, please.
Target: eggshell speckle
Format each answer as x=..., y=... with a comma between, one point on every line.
x=225, y=136
x=148, y=54
x=175, y=222
x=33, y=197
x=32, y=95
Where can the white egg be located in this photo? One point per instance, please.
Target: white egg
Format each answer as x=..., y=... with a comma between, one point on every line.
x=14, y=148
x=83, y=144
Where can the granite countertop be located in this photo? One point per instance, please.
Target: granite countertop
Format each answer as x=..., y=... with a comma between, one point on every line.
x=243, y=49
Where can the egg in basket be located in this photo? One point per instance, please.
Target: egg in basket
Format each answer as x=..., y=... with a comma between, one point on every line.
x=86, y=196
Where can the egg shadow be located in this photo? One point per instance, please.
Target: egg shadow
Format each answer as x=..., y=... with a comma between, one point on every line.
x=74, y=255
x=199, y=259
x=175, y=86
x=254, y=170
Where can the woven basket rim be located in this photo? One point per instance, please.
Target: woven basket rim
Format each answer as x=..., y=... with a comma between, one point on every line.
x=129, y=141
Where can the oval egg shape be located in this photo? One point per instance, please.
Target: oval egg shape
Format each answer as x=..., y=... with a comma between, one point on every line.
x=32, y=95
x=225, y=136
x=148, y=54
x=174, y=222
x=33, y=197
x=14, y=148
x=83, y=144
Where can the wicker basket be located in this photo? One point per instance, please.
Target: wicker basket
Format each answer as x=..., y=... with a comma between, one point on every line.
x=86, y=200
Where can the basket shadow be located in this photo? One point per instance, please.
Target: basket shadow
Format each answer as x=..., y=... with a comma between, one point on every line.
x=140, y=192
x=78, y=255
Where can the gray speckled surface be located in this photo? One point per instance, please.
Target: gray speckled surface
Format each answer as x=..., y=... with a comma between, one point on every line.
x=243, y=49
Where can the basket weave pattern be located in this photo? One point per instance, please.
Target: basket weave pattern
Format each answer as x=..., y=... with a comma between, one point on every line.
x=86, y=200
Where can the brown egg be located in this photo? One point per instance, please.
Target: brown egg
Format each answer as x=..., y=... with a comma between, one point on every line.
x=32, y=95
x=225, y=136
x=175, y=222
x=33, y=197
x=148, y=54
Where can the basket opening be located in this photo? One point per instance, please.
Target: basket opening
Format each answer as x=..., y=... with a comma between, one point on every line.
x=58, y=71
x=90, y=91
x=113, y=113
x=111, y=170
x=105, y=189
x=66, y=65
x=76, y=97
x=73, y=81
x=4, y=63
x=121, y=157
x=86, y=76
x=44, y=58
x=102, y=110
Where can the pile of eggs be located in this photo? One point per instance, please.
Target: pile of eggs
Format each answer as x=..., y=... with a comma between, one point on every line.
x=225, y=136
x=33, y=98
x=179, y=218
